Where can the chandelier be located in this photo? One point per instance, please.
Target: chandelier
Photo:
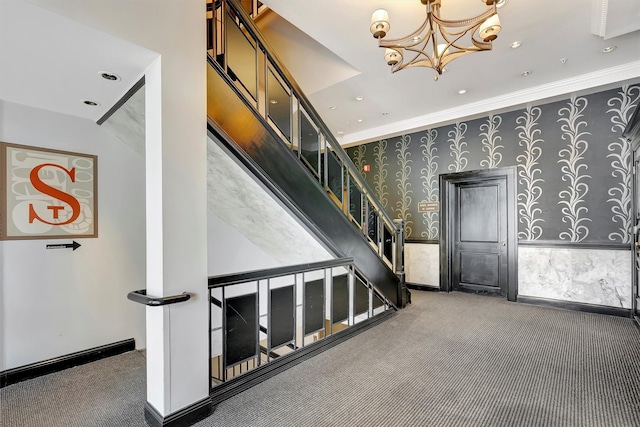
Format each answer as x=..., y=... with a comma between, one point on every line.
x=437, y=41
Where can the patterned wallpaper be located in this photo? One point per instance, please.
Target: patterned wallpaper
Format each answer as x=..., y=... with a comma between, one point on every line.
x=573, y=167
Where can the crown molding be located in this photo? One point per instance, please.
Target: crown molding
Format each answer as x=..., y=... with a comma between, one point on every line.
x=539, y=94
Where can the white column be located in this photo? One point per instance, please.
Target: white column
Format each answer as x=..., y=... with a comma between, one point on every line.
x=176, y=184
x=176, y=153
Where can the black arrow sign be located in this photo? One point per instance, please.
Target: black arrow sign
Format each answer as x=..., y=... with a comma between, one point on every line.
x=75, y=245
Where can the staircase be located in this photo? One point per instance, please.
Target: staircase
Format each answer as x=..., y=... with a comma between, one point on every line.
x=257, y=111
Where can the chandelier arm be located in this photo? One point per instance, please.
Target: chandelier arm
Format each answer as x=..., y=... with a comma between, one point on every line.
x=465, y=22
x=452, y=42
x=422, y=63
x=408, y=39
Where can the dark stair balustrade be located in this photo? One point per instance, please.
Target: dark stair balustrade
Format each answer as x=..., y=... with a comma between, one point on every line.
x=235, y=125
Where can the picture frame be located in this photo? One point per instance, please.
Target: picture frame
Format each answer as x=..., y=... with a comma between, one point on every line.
x=47, y=194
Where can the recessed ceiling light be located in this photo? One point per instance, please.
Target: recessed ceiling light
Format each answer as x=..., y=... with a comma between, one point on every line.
x=516, y=44
x=90, y=103
x=359, y=120
x=525, y=73
x=359, y=98
x=609, y=49
x=462, y=91
x=564, y=60
x=109, y=76
x=340, y=133
x=273, y=101
x=501, y=3
x=332, y=107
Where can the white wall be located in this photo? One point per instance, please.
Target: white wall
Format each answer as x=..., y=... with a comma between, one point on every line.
x=56, y=302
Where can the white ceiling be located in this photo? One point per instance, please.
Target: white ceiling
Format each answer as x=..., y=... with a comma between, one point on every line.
x=52, y=62
x=549, y=30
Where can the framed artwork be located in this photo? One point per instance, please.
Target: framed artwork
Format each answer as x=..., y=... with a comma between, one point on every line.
x=47, y=194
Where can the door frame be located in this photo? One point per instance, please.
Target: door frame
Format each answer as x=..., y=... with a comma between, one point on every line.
x=448, y=183
x=635, y=212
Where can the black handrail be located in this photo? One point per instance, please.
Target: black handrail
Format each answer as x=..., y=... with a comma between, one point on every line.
x=218, y=281
x=140, y=296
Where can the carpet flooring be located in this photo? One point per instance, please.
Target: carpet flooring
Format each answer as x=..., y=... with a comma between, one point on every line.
x=447, y=360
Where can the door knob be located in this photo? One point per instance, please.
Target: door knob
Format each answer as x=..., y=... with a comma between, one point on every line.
x=505, y=244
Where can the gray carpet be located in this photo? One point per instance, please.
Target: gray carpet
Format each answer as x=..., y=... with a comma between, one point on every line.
x=447, y=360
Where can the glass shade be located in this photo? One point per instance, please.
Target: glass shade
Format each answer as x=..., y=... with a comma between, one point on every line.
x=380, y=23
x=392, y=56
x=490, y=28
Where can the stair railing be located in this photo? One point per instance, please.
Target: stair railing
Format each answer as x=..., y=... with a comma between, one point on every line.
x=259, y=317
x=240, y=53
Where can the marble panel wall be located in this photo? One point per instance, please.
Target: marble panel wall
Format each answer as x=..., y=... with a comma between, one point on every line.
x=592, y=276
x=422, y=264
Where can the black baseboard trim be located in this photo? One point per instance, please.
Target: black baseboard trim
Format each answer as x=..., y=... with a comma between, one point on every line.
x=184, y=417
x=22, y=373
x=576, y=306
x=637, y=321
x=281, y=364
x=419, y=287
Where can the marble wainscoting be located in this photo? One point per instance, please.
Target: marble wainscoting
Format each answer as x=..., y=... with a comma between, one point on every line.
x=422, y=263
x=592, y=276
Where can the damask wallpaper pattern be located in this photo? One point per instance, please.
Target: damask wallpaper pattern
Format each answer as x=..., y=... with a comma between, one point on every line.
x=573, y=166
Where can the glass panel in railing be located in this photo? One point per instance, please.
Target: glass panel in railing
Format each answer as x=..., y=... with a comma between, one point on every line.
x=372, y=224
x=313, y=305
x=218, y=33
x=216, y=332
x=309, y=143
x=361, y=297
x=210, y=27
x=252, y=7
x=241, y=331
x=278, y=105
x=378, y=304
x=339, y=300
x=361, y=303
x=241, y=55
x=282, y=316
x=335, y=175
x=247, y=5
x=387, y=243
x=355, y=202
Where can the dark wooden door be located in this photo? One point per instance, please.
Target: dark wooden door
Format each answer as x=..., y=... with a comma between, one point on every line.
x=479, y=224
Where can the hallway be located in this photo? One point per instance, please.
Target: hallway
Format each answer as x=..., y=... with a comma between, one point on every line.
x=447, y=360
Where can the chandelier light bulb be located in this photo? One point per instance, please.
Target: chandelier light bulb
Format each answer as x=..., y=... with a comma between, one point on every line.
x=442, y=50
